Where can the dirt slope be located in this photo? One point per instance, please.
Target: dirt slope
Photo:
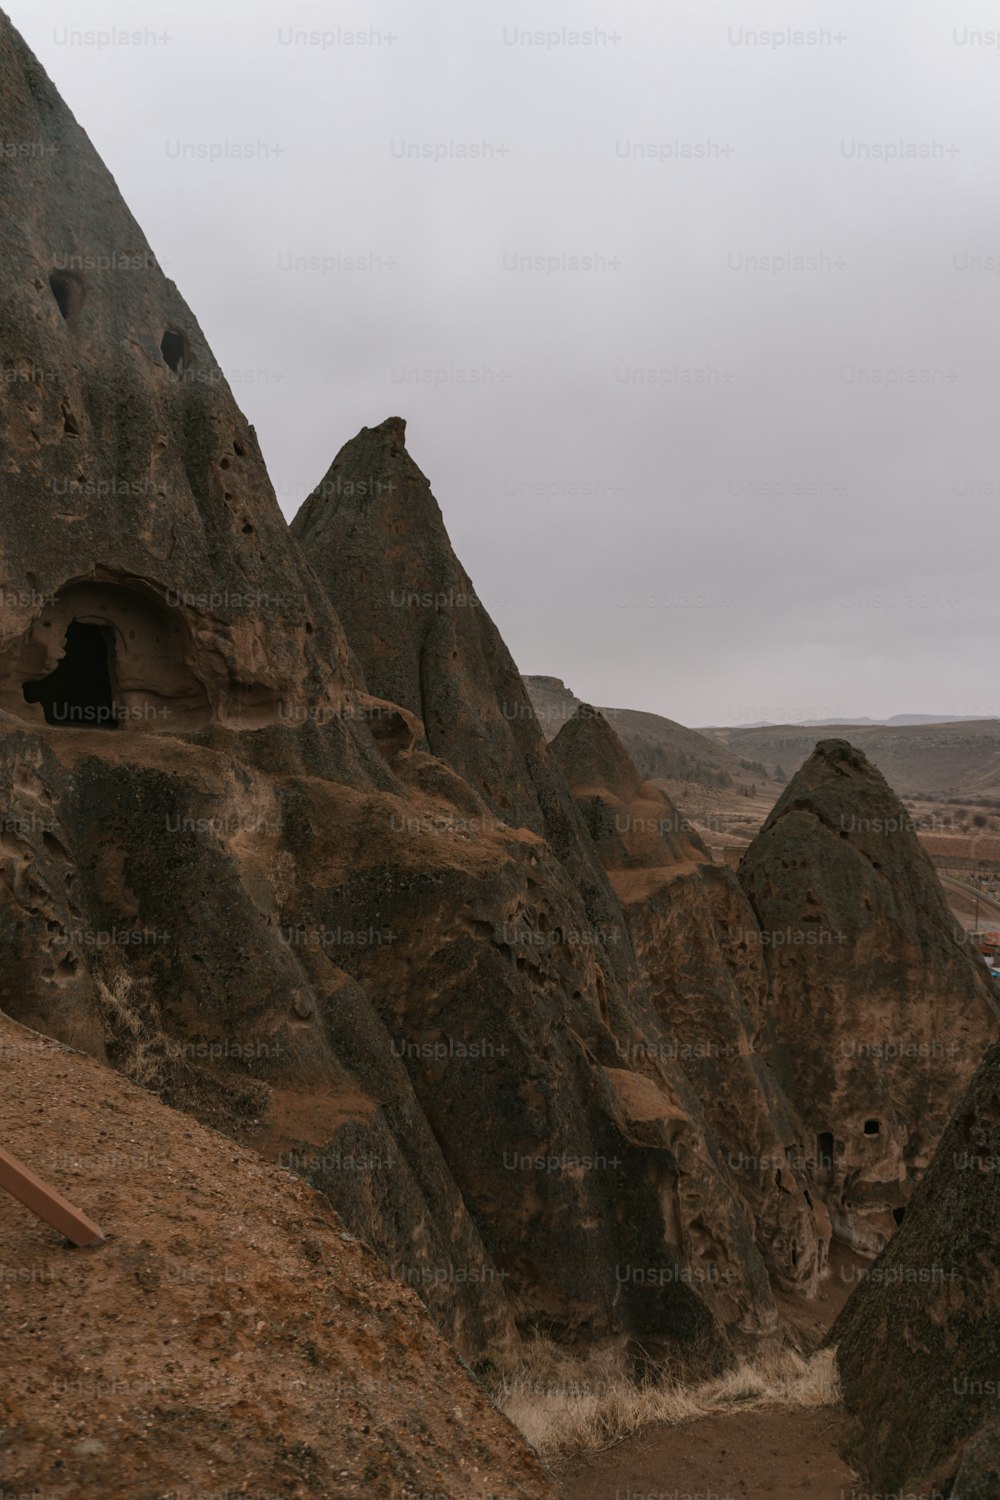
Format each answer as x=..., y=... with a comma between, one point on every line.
x=229, y=1337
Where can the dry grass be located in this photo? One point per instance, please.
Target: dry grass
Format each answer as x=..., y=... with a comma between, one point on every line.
x=566, y=1407
x=135, y=1041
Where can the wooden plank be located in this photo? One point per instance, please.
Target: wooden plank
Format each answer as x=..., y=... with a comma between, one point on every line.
x=22, y=1184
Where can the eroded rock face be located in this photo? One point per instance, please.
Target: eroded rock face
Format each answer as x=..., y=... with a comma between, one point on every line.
x=137, y=501
x=406, y=611
x=708, y=991
x=374, y=533
x=155, y=610
x=919, y=1340
x=383, y=952
x=879, y=1011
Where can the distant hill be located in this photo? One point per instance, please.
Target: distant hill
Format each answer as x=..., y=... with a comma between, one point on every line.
x=938, y=758
x=851, y=721
x=698, y=770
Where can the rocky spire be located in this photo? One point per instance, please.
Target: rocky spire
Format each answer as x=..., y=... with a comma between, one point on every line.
x=879, y=1009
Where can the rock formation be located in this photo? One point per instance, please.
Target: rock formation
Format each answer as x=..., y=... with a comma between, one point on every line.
x=374, y=533
x=918, y=1343
x=282, y=839
x=240, y=873
x=445, y=663
x=693, y=933
x=173, y=684
x=878, y=1011
x=229, y=1337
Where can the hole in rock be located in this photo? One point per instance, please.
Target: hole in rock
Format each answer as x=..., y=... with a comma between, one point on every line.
x=899, y=1214
x=176, y=351
x=54, y=847
x=824, y=1151
x=78, y=692
x=67, y=289
x=872, y=1127
x=109, y=653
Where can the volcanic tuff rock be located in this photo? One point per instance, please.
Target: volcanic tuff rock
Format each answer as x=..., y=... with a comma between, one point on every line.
x=919, y=1341
x=255, y=888
x=326, y=886
x=879, y=1011
x=228, y=1337
x=406, y=613
x=374, y=533
x=146, y=863
x=691, y=928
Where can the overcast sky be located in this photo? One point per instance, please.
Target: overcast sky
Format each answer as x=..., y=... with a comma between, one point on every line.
x=685, y=475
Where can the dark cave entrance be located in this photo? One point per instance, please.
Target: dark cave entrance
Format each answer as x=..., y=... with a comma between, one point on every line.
x=78, y=692
x=176, y=351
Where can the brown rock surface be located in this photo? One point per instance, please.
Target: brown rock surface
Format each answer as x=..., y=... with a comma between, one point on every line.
x=710, y=994
x=447, y=663
x=140, y=502
x=229, y=1337
x=919, y=1341
x=878, y=1013
x=376, y=538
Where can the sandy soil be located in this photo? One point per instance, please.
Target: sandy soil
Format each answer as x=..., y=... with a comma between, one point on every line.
x=779, y=1454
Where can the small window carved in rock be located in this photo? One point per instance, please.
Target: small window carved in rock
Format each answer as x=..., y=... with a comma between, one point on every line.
x=176, y=351
x=67, y=289
x=78, y=694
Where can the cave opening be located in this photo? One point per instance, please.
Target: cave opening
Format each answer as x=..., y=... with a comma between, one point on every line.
x=824, y=1151
x=67, y=289
x=899, y=1214
x=176, y=351
x=78, y=692
x=872, y=1127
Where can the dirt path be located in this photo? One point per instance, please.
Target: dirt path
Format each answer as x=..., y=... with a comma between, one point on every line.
x=777, y=1454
